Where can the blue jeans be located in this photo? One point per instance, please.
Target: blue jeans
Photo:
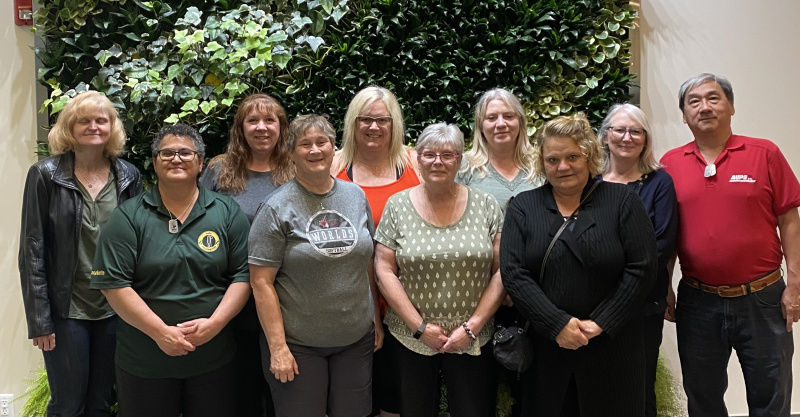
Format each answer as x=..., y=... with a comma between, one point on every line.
x=709, y=326
x=80, y=370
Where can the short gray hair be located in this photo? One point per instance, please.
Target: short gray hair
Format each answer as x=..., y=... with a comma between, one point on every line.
x=180, y=130
x=301, y=124
x=439, y=135
x=693, y=82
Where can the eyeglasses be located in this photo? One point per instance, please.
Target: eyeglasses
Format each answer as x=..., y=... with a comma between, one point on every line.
x=381, y=121
x=185, y=154
x=446, y=157
x=619, y=131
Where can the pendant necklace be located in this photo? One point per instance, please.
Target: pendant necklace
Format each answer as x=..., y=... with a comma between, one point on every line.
x=173, y=222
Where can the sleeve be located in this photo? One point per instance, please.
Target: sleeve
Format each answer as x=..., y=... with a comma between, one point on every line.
x=520, y=281
x=116, y=254
x=32, y=270
x=267, y=241
x=639, y=245
x=238, y=234
x=494, y=216
x=786, y=190
x=209, y=178
x=665, y=207
x=386, y=234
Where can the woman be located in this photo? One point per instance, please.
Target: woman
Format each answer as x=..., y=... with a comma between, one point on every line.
x=173, y=265
x=585, y=308
x=627, y=140
x=254, y=165
x=436, y=264
x=501, y=159
x=69, y=197
x=311, y=269
x=373, y=156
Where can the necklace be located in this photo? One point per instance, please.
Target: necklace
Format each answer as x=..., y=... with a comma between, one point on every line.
x=173, y=222
x=90, y=178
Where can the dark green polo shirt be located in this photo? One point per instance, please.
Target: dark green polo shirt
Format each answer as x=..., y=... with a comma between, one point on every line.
x=180, y=276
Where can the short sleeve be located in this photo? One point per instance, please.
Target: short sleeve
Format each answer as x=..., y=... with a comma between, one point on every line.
x=238, y=235
x=786, y=189
x=386, y=234
x=267, y=241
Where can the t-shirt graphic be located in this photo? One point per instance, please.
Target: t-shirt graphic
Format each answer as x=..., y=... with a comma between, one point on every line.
x=331, y=233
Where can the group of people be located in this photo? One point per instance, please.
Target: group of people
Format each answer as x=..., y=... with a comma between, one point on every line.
x=288, y=278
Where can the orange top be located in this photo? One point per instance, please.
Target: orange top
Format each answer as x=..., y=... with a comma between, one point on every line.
x=379, y=194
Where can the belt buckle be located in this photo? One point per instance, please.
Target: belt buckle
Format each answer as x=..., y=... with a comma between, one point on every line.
x=722, y=288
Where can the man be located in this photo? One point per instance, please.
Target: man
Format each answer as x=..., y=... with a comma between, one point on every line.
x=733, y=191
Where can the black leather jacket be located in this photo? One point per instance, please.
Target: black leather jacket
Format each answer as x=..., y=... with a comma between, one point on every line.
x=51, y=225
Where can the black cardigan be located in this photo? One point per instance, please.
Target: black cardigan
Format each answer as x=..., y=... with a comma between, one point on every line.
x=602, y=269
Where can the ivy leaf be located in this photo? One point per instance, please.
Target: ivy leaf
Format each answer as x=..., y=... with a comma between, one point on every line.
x=159, y=62
x=103, y=56
x=318, y=22
x=207, y=106
x=581, y=91
x=173, y=71
x=191, y=18
x=190, y=105
x=277, y=37
x=327, y=5
x=172, y=119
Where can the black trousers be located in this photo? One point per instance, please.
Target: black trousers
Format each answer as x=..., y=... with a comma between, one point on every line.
x=471, y=381
x=207, y=395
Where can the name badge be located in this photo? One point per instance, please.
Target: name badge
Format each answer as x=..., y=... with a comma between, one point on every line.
x=710, y=171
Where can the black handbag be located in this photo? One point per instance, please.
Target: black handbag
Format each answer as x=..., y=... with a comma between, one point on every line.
x=511, y=346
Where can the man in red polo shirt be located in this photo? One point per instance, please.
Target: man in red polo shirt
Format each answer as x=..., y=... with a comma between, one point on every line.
x=733, y=191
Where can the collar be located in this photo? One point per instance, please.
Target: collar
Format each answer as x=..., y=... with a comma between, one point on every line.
x=64, y=173
x=733, y=142
x=152, y=198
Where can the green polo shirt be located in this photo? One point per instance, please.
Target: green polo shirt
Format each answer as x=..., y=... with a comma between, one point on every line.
x=180, y=276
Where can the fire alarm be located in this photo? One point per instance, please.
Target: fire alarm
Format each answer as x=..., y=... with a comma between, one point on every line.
x=23, y=12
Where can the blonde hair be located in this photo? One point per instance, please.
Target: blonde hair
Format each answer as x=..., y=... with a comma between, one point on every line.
x=647, y=160
x=82, y=105
x=398, y=154
x=577, y=128
x=233, y=172
x=477, y=158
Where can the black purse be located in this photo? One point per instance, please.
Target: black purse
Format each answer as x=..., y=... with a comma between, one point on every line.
x=512, y=348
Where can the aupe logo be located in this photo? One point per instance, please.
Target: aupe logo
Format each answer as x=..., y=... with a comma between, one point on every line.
x=742, y=178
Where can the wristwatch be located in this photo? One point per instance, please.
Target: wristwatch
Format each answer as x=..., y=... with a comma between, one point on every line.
x=421, y=330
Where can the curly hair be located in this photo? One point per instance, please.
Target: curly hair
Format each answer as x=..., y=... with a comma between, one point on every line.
x=233, y=172
x=84, y=105
x=578, y=128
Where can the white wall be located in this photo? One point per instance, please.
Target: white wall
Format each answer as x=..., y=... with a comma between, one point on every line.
x=756, y=44
x=18, y=120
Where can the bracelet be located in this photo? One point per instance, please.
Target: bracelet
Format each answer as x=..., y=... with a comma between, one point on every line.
x=421, y=330
x=469, y=332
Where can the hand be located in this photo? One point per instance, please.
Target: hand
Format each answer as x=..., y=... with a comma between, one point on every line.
x=571, y=336
x=590, y=329
x=378, y=334
x=669, y=315
x=282, y=364
x=790, y=305
x=434, y=337
x=46, y=342
x=200, y=331
x=173, y=341
x=458, y=341
x=507, y=301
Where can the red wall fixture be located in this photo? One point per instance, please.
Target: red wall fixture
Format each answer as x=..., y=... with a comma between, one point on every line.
x=23, y=12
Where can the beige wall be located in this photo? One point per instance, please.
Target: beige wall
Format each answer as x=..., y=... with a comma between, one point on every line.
x=18, y=120
x=757, y=46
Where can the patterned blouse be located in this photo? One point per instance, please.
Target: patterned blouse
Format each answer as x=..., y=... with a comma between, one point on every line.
x=444, y=269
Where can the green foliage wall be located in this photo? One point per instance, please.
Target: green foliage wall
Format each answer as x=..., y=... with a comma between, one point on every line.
x=193, y=61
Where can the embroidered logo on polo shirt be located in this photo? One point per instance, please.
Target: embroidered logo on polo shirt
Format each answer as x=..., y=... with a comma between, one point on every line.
x=742, y=178
x=208, y=241
x=331, y=233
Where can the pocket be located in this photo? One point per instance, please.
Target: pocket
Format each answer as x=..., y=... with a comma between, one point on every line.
x=771, y=296
x=687, y=296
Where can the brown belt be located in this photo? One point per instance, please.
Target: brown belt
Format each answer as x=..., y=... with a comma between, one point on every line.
x=729, y=291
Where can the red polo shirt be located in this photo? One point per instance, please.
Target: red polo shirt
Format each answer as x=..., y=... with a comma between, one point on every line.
x=727, y=222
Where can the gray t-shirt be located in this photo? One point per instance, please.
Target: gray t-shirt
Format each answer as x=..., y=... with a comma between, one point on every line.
x=259, y=186
x=444, y=269
x=322, y=246
x=495, y=184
